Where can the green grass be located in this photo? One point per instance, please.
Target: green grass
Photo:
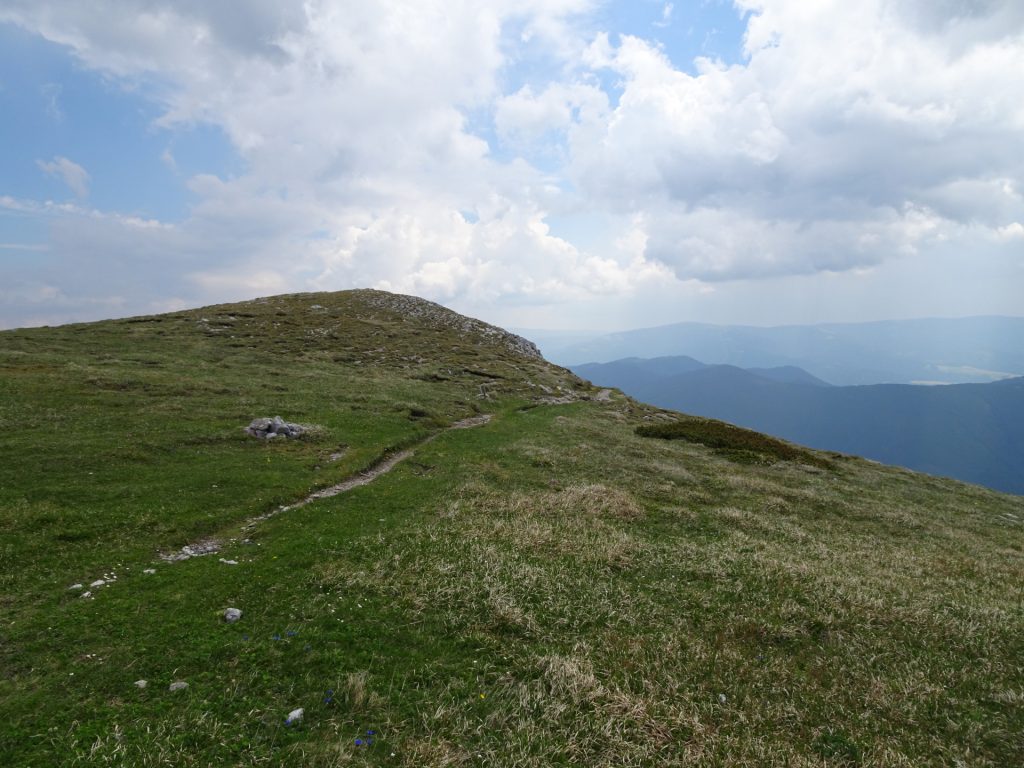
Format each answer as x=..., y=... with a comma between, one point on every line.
x=549, y=589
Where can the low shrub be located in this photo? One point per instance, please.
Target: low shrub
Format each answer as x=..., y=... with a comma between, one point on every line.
x=735, y=443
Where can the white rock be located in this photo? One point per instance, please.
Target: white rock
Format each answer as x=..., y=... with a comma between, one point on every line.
x=98, y=583
x=231, y=615
x=86, y=594
x=75, y=586
x=141, y=683
x=178, y=685
x=295, y=716
x=229, y=562
x=721, y=698
x=150, y=570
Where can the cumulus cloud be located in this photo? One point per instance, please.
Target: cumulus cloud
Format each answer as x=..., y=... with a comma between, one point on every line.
x=525, y=117
x=1013, y=231
x=847, y=127
x=388, y=144
x=71, y=173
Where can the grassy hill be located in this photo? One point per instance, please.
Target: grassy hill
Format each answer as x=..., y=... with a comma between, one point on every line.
x=546, y=587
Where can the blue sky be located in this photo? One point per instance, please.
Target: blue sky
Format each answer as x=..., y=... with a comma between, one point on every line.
x=63, y=109
x=558, y=164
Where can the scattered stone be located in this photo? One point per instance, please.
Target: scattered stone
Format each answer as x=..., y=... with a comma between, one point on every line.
x=473, y=421
x=98, y=583
x=141, y=683
x=199, y=549
x=229, y=562
x=566, y=398
x=295, y=716
x=268, y=429
x=722, y=698
x=75, y=586
x=86, y=594
x=231, y=615
x=177, y=685
x=150, y=570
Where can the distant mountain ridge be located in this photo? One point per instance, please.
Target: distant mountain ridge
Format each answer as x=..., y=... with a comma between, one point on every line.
x=972, y=432
x=951, y=351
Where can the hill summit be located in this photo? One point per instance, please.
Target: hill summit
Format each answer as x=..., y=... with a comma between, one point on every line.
x=464, y=555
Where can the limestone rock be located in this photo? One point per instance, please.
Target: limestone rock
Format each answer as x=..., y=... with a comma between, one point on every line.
x=268, y=429
x=177, y=685
x=231, y=615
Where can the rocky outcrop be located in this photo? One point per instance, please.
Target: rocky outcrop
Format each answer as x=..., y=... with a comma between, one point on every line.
x=430, y=314
x=267, y=429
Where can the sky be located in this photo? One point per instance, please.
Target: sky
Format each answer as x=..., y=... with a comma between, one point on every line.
x=557, y=164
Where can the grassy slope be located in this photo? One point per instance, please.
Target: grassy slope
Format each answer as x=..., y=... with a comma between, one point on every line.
x=550, y=589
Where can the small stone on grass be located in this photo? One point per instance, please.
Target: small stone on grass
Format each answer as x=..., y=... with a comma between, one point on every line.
x=231, y=615
x=177, y=685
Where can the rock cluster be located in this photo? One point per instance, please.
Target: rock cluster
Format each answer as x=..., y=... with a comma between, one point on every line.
x=267, y=429
x=428, y=313
x=197, y=549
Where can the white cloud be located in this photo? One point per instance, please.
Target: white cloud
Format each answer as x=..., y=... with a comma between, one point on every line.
x=1013, y=231
x=849, y=126
x=71, y=173
x=525, y=117
x=851, y=136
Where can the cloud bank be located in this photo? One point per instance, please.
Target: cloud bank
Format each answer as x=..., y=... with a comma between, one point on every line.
x=434, y=148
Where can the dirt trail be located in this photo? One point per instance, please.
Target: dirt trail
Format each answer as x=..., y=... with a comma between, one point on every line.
x=382, y=467
x=363, y=478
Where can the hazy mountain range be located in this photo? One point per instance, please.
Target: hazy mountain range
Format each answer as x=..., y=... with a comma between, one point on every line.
x=972, y=432
x=973, y=349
